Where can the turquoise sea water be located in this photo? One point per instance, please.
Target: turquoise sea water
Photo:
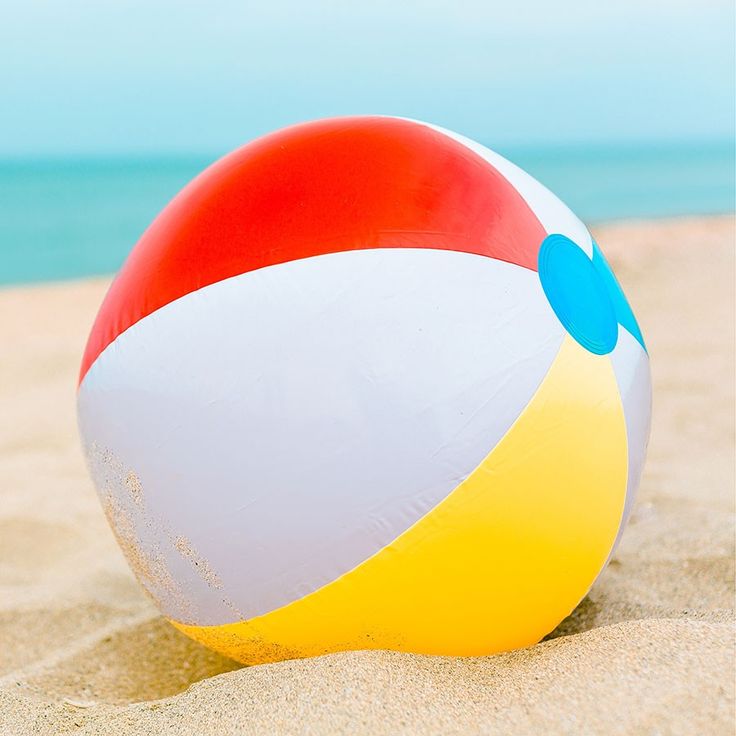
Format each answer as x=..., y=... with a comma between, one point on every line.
x=62, y=219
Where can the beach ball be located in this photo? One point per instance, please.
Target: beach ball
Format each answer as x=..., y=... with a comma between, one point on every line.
x=365, y=384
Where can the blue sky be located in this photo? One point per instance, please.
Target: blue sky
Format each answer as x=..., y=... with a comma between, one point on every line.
x=135, y=76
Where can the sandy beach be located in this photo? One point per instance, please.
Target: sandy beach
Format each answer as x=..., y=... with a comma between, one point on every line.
x=650, y=650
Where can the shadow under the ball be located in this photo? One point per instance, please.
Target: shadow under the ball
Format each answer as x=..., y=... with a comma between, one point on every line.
x=583, y=618
x=147, y=660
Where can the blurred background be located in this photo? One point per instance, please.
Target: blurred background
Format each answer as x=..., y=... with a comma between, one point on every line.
x=625, y=109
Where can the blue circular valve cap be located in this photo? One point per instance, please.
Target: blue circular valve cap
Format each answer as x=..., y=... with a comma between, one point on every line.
x=578, y=294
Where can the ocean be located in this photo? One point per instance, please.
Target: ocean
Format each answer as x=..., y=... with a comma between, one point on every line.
x=68, y=218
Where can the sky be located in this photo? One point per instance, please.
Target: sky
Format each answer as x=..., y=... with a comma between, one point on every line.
x=142, y=77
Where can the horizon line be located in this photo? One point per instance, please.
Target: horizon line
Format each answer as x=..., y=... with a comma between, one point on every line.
x=530, y=147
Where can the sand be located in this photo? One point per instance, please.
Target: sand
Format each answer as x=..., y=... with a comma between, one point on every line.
x=650, y=650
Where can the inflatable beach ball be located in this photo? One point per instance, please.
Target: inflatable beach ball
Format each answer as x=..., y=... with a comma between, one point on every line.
x=365, y=384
